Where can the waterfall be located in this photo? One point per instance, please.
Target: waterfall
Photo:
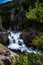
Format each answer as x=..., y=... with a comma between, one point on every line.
x=16, y=43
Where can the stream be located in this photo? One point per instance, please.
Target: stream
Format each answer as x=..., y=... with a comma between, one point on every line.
x=16, y=43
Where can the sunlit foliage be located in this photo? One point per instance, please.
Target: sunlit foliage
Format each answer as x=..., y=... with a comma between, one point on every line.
x=38, y=41
x=28, y=59
x=36, y=13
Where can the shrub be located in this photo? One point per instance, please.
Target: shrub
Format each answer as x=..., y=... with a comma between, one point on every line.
x=28, y=59
x=38, y=41
x=36, y=13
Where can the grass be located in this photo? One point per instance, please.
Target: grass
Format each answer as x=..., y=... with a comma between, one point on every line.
x=28, y=59
x=38, y=41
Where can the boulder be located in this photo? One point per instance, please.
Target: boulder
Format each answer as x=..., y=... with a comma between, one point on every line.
x=6, y=55
x=4, y=37
x=28, y=36
x=7, y=61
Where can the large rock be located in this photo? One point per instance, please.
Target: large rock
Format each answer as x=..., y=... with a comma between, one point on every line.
x=28, y=36
x=6, y=55
x=5, y=59
x=4, y=36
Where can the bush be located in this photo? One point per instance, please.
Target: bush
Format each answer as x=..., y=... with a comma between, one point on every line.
x=28, y=59
x=36, y=13
x=38, y=41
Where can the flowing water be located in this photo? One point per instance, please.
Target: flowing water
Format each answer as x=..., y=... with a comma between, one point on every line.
x=16, y=43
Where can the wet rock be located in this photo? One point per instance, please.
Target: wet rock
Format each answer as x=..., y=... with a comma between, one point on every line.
x=13, y=41
x=20, y=43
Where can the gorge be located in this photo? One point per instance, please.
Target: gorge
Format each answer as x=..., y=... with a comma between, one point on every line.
x=11, y=20
x=21, y=32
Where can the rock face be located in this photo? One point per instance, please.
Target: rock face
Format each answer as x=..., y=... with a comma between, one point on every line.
x=17, y=27
x=28, y=36
x=4, y=36
x=5, y=60
x=4, y=55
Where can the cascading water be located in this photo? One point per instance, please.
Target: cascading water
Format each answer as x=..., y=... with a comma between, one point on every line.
x=16, y=43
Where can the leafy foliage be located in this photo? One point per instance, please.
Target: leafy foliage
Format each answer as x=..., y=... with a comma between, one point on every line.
x=36, y=13
x=28, y=59
x=19, y=8
x=38, y=41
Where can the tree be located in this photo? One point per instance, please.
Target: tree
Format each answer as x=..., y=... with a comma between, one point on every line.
x=36, y=13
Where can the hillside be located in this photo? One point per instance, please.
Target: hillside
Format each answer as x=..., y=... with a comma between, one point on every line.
x=21, y=24
x=5, y=55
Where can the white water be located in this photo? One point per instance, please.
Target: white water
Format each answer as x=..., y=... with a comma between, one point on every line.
x=15, y=43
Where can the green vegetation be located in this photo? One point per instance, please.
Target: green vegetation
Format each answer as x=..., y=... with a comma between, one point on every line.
x=19, y=13
x=29, y=15
x=27, y=12
x=38, y=41
x=28, y=59
x=36, y=13
x=32, y=9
